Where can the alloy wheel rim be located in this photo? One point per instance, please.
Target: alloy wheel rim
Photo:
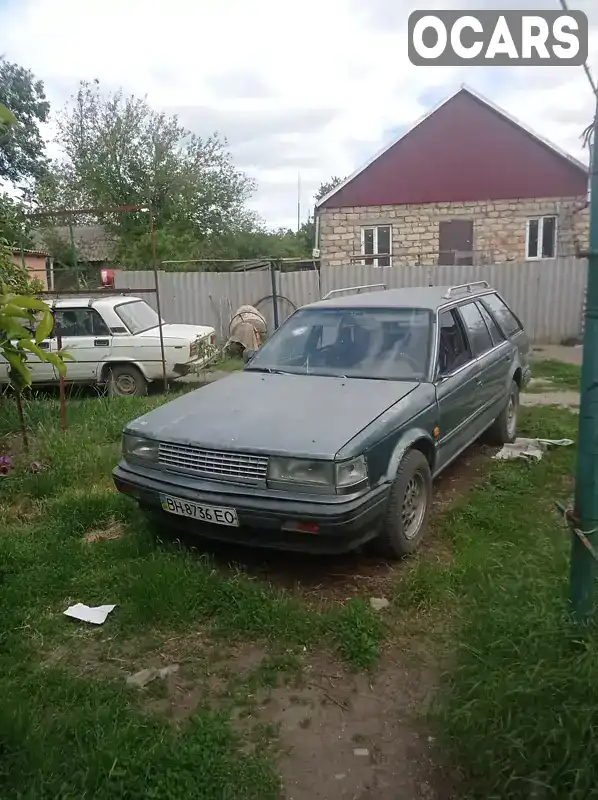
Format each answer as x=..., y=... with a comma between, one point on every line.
x=512, y=415
x=414, y=506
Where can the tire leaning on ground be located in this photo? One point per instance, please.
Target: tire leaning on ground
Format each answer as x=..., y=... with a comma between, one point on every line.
x=408, y=507
x=126, y=381
x=504, y=428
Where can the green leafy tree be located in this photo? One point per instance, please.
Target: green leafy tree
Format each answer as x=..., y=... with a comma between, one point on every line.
x=14, y=226
x=25, y=321
x=328, y=186
x=22, y=148
x=117, y=150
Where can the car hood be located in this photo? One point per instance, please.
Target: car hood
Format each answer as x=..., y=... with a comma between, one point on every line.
x=175, y=331
x=300, y=415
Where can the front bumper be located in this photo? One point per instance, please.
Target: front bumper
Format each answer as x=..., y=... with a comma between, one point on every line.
x=196, y=364
x=343, y=524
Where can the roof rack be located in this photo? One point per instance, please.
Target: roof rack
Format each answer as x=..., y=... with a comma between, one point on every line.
x=467, y=286
x=355, y=289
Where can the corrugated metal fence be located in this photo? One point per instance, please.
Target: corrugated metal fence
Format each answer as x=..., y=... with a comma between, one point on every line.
x=211, y=298
x=547, y=295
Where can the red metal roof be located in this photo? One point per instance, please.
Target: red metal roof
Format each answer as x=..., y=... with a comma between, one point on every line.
x=465, y=151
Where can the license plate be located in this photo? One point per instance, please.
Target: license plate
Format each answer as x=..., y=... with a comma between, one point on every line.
x=213, y=514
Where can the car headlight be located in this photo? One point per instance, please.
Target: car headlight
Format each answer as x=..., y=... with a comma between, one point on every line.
x=327, y=474
x=351, y=473
x=301, y=470
x=139, y=448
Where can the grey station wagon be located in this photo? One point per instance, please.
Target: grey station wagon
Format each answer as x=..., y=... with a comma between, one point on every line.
x=332, y=433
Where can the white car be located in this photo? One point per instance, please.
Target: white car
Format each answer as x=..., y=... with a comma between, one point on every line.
x=114, y=341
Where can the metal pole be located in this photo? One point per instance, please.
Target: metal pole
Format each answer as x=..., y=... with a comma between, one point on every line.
x=157, y=290
x=298, y=202
x=274, y=296
x=583, y=565
x=73, y=251
x=61, y=383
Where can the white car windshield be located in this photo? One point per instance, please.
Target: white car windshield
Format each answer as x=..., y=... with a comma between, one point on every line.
x=138, y=316
x=376, y=343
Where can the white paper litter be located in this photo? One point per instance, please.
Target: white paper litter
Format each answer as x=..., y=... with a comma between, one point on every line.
x=94, y=614
x=530, y=448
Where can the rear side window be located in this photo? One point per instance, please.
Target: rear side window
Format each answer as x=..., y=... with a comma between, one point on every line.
x=476, y=329
x=502, y=314
x=496, y=333
x=453, y=350
x=80, y=322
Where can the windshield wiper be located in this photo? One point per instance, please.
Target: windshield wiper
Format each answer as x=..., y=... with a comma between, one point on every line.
x=270, y=370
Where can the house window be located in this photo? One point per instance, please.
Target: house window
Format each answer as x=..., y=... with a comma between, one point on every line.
x=376, y=242
x=540, y=240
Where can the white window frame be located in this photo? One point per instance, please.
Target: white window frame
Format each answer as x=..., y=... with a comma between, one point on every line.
x=373, y=255
x=540, y=221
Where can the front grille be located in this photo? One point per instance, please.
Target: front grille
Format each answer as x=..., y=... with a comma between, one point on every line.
x=216, y=464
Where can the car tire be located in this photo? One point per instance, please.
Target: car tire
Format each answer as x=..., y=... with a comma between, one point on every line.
x=404, y=526
x=126, y=381
x=504, y=428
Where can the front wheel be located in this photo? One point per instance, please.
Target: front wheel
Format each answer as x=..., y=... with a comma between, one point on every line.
x=126, y=381
x=408, y=508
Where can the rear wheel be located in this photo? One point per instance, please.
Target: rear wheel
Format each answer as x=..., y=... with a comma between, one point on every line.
x=504, y=427
x=408, y=507
x=126, y=381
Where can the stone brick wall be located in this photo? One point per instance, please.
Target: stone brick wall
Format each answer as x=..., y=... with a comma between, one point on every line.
x=499, y=229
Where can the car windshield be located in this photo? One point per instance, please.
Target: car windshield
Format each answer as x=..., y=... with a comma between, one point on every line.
x=377, y=343
x=138, y=316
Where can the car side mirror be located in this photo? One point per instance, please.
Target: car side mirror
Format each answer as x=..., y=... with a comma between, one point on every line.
x=248, y=355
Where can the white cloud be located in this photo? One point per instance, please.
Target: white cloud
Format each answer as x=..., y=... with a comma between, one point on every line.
x=315, y=86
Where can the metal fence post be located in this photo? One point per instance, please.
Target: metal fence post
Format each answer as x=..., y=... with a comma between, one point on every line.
x=274, y=295
x=585, y=515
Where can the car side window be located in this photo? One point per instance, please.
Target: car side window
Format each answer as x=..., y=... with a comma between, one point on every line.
x=502, y=314
x=80, y=322
x=495, y=332
x=479, y=338
x=453, y=350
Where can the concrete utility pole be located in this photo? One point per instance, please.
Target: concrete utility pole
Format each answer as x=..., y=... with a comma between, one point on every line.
x=584, y=521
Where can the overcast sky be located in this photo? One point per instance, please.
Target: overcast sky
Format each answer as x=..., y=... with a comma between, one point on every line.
x=312, y=86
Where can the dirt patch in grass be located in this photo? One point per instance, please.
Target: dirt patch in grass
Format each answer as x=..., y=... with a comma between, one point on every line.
x=345, y=735
x=321, y=717
x=564, y=399
x=113, y=529
x=207, y=670
x=20, y=512
x=323, y=580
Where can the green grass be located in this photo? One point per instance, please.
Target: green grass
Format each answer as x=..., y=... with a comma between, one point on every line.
x=231, y=364
x=70, y=735
x=519, y=709
x=226, y=364
x=516, y=713
x=560, y=374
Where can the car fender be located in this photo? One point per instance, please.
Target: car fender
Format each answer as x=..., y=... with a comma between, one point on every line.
x=405, y=443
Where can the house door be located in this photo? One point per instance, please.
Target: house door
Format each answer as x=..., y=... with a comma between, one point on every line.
x=456, y=242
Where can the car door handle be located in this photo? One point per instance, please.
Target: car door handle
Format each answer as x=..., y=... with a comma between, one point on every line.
x=479, y=381
x=44, y=345
x=101, y=343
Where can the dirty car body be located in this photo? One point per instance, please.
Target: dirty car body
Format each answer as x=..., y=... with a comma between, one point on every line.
x=333, y=432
